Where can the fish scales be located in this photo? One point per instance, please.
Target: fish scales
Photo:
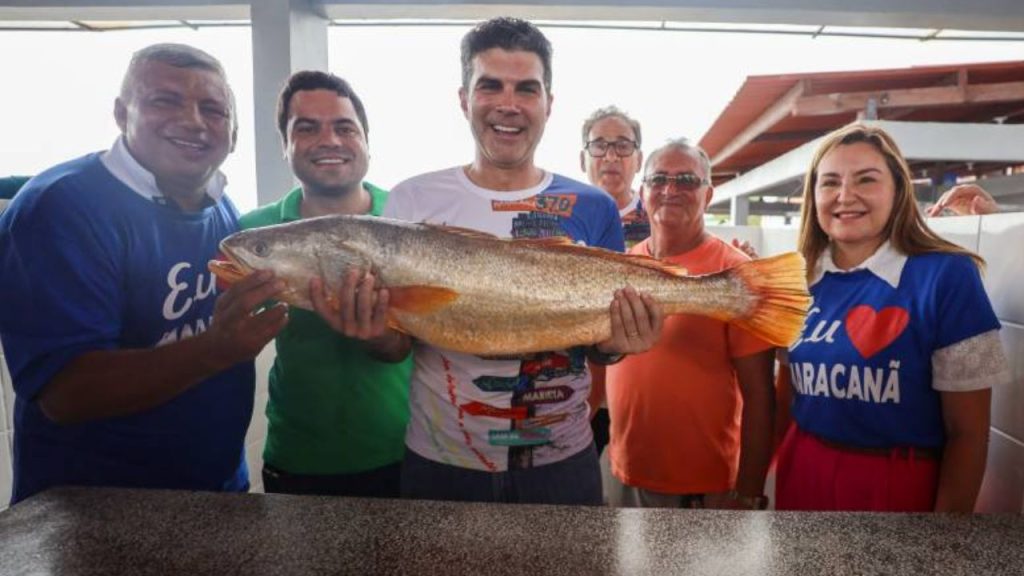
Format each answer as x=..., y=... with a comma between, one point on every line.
x=510, y=296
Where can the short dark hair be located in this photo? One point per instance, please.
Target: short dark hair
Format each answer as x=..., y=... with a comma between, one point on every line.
x=510, y=34
x=316, y=80
x=611, y=112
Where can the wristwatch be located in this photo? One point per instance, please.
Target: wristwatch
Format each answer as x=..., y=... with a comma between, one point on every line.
x=752, y=502
x=602, y=359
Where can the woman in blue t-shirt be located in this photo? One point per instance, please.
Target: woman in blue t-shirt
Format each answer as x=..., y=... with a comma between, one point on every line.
x=892, y=376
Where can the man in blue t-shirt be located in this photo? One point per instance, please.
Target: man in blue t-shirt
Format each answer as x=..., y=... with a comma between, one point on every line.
x=128, y=368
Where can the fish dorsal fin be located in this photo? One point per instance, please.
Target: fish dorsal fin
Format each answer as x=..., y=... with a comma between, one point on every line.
x=420, y=299
x=631, y=259
x=460, y=231
x=655, y=264
x=564, y=243
x=550, y=241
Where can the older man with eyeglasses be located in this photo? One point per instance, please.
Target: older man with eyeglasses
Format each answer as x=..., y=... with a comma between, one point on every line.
x=691, y=418
x=611, y=158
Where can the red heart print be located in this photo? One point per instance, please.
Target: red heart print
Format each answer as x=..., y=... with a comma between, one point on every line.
x=870, y=331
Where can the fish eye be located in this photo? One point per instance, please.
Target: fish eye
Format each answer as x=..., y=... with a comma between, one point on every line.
x=260, y=249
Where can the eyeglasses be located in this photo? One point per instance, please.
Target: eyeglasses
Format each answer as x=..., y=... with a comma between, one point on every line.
x=599, y=148
x=687, y=181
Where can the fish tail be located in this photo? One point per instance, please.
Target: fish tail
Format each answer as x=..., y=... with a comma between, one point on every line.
x=779, y=284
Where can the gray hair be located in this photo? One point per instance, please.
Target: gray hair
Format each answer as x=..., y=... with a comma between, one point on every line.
x=178, y=56
x=610, y=112
x=683, y=145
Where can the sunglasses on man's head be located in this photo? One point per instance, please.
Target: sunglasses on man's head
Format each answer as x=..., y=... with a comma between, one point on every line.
x=685, y=181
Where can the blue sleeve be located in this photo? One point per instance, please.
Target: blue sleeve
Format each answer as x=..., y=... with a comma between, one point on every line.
x=611, y=235
x=963, y=309
x=60, y=291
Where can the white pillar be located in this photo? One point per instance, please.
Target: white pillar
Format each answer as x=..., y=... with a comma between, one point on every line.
x=287, y=36
x=739, y=210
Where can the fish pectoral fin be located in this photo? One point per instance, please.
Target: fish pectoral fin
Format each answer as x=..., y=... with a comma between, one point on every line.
x=420, y=299
x=394, y=324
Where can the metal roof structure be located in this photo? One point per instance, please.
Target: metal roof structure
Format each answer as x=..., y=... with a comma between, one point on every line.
x=947, y=120
x=290, y=35
x=771, y=115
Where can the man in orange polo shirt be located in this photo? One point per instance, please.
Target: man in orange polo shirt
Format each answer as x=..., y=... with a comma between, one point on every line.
x=692, y=417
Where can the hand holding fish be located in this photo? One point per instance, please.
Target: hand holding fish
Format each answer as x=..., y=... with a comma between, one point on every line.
x=238, y=331
x=360, y=310
x=636, y=323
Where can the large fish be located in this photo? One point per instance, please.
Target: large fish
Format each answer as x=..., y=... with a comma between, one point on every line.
x=471, y=292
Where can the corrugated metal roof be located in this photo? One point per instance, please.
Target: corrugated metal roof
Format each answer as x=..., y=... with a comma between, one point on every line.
x=771, y=115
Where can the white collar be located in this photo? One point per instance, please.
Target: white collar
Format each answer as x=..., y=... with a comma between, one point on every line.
x=127, y=169
x=886, y=263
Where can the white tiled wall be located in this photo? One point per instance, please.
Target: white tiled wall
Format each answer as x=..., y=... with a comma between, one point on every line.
x=7, y=423
x=1001, y=244
x=6, y=432
x=258, y=427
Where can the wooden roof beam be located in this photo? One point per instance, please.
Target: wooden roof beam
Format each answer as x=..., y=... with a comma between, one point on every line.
x=781, y=109
x=825, y=104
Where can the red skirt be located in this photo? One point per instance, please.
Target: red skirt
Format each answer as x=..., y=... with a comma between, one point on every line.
x=812, y=474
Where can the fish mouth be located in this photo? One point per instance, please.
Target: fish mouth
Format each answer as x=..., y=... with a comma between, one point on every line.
x=227, y=267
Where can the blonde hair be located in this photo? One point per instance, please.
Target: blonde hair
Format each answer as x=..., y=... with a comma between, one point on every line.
x=906, y=229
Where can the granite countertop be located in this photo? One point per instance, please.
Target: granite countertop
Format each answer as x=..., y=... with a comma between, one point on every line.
x=138, y=532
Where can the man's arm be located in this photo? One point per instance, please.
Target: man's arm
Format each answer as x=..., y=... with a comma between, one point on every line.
x=757, y=387
x=598, y=377
x=111, y=383
x=754, y=374
x=783, y=401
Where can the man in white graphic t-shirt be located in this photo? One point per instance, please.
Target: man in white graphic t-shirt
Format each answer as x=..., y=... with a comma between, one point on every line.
x=502, y=430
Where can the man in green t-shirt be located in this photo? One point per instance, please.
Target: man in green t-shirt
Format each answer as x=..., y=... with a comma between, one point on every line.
x=336, y=415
